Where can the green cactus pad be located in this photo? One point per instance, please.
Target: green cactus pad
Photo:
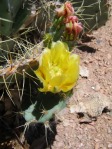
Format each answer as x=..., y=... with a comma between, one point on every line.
x=42, y=106
x=94, y=13
x=29, y=116
x=8, y=11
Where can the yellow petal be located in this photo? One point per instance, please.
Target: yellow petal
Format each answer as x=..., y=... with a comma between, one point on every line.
x=59, y=52
x=58, y=68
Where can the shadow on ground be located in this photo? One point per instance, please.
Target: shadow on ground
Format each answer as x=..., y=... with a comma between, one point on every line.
x=86, y=48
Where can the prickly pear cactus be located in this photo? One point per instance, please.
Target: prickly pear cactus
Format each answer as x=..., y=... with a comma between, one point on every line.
x=93, y=13
x=27, y=72
x=46, y=71
x=41, y=107
x=13, y=14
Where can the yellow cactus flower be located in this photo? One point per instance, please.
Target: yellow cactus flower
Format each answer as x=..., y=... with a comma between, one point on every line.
x=58, y=68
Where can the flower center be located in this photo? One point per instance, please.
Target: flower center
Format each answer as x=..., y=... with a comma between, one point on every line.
x=55, y=71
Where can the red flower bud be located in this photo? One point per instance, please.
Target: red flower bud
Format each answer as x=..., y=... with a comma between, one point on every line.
x=69, y=27
x=74, y=28
x=65, y=10
x=69, y=8
x=71, y=19
x=77, y=28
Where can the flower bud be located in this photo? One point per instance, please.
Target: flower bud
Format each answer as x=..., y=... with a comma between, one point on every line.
x=69, y=27
x=69, y=8
x=74, y=28
x=71, y=19
x=65, y=10
x=77, y=28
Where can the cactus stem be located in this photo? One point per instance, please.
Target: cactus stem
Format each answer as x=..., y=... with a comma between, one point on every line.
x=18, y=69
x=51, y=112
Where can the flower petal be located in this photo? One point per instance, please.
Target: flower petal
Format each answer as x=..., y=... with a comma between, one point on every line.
x=58, y=69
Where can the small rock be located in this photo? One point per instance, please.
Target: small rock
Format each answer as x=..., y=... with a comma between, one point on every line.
x=97, y=87
x=60, y=144
x=109, y=56
x=57, y=138
x=66, y=123
x=96, y=140
x=81, y=145
x=72, y=109
x=84, y=72
x=97, y=146
x=86, y=61
x=93, y=87
x=110, y=42
x=110, y=145
x=79, y=137
x=109, y=130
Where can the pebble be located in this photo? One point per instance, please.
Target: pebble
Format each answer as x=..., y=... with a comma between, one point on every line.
x=109, y=130
x=93, y=87
x=80, y=137
x=109, y=56
x=110, y=42
x=84, y=72
x=57, y=138
x=60, y=144
x=66, y=123
x=81, y=145
x=110, y=146
x=97, y=87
